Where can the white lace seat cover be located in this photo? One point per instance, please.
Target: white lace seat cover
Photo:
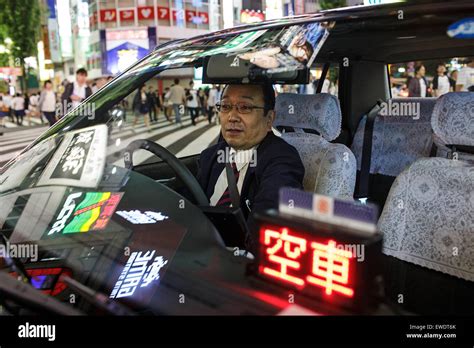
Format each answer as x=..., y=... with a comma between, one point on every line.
x=330, y=169
x=397, y=141
x=428, y=219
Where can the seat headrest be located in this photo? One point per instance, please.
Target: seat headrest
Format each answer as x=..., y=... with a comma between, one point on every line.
x=413, y=110
x=453, y=119
x=320, y=112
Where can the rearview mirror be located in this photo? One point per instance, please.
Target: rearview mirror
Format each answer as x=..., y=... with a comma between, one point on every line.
x=223, y=69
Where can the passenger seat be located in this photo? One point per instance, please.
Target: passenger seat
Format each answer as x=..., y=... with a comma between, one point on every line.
x=309, y=123
x=391, y=143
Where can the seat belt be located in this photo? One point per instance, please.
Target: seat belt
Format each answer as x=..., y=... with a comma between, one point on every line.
x=434, y=150
x=233, y=189
x=322, y=78
x=235, y=198
x=363, y=189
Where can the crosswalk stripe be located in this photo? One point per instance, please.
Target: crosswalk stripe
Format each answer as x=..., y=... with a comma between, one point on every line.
x=200, y=143
x=10, y=137
x=11, y=142
x=180, y=143
x=185, y=141
x=9, y=148
x=6, y=157
x=26, y=120
x=128, y=129
x=169, y=138
x=21, y=133
x=140, y=133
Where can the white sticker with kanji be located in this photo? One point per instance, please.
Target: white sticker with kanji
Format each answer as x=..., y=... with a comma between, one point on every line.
x=80, y=159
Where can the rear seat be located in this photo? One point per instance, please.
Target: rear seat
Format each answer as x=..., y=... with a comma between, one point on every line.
x=428, y=221
x=397, y=141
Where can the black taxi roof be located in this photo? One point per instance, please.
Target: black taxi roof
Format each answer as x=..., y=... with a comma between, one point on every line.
x=388, y=32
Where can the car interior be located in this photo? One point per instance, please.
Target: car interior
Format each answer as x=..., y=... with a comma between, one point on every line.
x=351, y=150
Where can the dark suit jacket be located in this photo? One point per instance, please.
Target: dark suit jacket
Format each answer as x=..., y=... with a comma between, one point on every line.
x=278, y=164
x=137, y=105
x=66, y=96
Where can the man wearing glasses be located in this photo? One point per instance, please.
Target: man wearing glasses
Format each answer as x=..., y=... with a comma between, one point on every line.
x=262, y=162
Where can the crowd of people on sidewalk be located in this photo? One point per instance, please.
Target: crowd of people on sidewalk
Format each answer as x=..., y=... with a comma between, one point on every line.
x=176, y=101
x=16, y=107
x=46, y=105
x=442, y=82
x=148, y=103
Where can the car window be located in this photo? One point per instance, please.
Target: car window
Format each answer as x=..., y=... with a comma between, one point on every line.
x=428, y=78
x=289, y=49
x=199, y=127
x=330, y=83
x=152, y=114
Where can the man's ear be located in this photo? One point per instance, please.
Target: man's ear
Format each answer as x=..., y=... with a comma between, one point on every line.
x=270, y=119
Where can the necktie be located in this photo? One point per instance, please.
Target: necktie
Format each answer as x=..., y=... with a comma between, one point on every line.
x=225, y=199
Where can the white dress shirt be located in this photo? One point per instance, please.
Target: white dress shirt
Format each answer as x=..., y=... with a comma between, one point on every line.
x=242, y=161
x=48, y=103
x=80, y=91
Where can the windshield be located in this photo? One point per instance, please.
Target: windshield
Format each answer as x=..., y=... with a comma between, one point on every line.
x=72, y=199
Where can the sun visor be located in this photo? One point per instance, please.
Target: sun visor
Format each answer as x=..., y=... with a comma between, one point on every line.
x=280, y=55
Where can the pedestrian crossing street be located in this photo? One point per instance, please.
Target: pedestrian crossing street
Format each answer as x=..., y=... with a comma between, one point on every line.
x=181, y=141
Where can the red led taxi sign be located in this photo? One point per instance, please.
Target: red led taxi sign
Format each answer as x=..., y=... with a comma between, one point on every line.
x=293, y=259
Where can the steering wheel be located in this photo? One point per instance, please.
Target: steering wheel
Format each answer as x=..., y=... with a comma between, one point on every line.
x=179, y=168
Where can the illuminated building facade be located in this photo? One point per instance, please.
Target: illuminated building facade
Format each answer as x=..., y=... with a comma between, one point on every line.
x=123, y=31
x=252, y=11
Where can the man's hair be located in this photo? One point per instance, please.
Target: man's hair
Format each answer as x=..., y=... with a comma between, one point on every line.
x=268, y=97
x=46, y=82
x=81, y=71
x=176, y=81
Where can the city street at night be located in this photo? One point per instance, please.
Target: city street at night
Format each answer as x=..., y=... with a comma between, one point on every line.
x=299, y=170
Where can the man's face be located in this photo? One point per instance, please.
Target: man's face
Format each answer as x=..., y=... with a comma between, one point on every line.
x=243, y=131
x=441, y=69
x=81, y=78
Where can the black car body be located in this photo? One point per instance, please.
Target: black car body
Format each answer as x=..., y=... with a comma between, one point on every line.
x=143, y=220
